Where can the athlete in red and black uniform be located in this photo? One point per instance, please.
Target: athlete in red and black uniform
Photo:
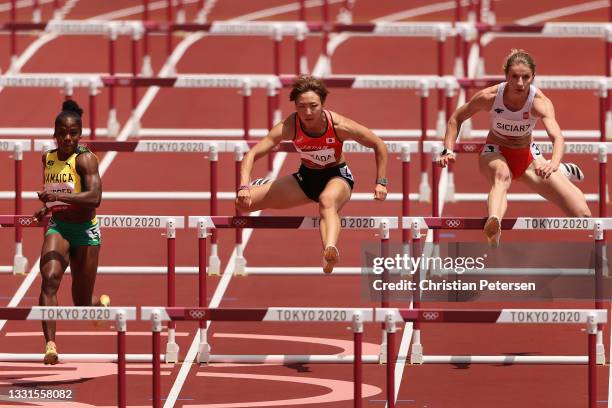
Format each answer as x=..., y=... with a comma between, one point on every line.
x=324, y=176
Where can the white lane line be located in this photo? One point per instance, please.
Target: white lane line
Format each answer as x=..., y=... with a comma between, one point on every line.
x=283, y=9
x=104, y=165
x=228, y=273
x=29, y=279
x=215, y=301
x=129, y=11
x=419, y=11
x=4, y=7
x=38, y=43
x=564, y=11
x=544, y=17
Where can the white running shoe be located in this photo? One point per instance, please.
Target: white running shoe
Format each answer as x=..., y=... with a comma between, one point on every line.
x=572, y=172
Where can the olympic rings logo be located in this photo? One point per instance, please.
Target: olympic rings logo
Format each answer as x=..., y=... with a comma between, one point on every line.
x=239, y=222
x=25, y=221
x=470, y=147
x=431, y=315
x=197, y=314
x=453, y=223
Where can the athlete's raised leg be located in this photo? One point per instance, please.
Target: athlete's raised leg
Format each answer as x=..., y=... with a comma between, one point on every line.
x=559, y=190
x=284, y=192
x=336, y=194
x=494, y=168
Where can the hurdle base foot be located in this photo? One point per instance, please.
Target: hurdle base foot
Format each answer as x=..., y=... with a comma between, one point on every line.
x=441, y=124
x=382, y=356
x=600, y=356
x=203, y=353
x=172, y=352
x=214, y=266
x=112, y=125
x=458, y=68
x=36, y=15
x=20, y=265
x=424, y=190
x=147, y=67
x=240, y=266
x=180, y=17
x=450, y=189
x=416, y=355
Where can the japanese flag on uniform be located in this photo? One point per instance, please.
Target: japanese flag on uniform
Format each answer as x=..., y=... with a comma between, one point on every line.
x=525, y=115
x=330, y=140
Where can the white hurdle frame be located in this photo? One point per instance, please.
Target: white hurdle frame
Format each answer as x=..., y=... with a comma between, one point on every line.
x=596, y=225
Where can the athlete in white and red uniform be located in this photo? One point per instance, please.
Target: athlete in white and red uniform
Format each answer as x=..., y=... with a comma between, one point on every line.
x=509, y=152
x=323, y=177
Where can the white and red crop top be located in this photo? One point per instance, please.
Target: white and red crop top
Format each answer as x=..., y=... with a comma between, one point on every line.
x=318, y=151
x=512, y=125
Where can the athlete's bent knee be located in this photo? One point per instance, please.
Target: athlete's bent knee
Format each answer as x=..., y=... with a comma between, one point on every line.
x=326, y=202
x=502, y=177
x=50, y=284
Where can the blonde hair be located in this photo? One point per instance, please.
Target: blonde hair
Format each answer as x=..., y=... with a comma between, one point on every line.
x=519, y=56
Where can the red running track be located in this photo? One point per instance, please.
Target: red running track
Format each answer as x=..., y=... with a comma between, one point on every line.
x=463, y=385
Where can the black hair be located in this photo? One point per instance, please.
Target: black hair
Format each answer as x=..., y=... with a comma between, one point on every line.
x=70, y=109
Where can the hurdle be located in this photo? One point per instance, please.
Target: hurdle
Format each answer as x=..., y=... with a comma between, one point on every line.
x=167, y=223
x=119, y=315
x=67, y=82
x=601, y=149
x=357, y=317
x=595, y=225
x=592, y=318
x=204, y=224
x=17, y=147
x=603, y=31
x=389, y=317
x=214, y=148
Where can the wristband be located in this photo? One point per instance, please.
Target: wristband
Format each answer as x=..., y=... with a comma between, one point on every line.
x=243, y=187
x=383, y=181
x=446, y=152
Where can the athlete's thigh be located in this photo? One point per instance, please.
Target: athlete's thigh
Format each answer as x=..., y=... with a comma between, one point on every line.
x=284, y=192
x=493, y=165
x=336, y=190
x=55, y=254
x=557, y=189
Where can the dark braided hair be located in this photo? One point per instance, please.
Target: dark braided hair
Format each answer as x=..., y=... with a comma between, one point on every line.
x=70, y=109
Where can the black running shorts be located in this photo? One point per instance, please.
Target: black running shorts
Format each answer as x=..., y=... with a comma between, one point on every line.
x=313, y=181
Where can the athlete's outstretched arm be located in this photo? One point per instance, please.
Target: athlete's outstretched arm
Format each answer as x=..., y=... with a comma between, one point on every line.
x=480, y=102
x=349, y=129
x=276, y=135
x=44, y=210
x=544, y=108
